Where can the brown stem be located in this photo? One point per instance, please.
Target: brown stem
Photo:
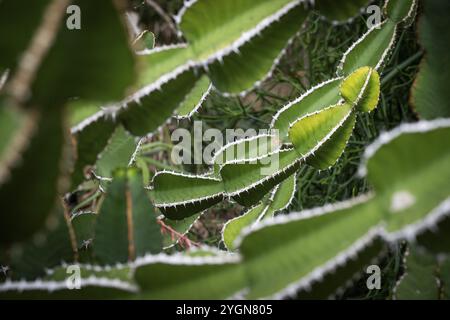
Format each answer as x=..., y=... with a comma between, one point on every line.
x=131, y=248
x=182, y=239
x=37, y=50
x=163, y=14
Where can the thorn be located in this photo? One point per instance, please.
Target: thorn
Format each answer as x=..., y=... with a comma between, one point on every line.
x=86, y=243
x=4, y=270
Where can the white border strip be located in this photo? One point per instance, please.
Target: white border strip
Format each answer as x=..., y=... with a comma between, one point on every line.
x=180, y=259
x=52, y=286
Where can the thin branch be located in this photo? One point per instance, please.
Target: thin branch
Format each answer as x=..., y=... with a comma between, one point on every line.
x=163, y=14
x=182, y=240
x=3, y=79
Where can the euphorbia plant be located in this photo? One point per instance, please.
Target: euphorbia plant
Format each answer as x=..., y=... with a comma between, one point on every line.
x=119, y=243
x=328, y=109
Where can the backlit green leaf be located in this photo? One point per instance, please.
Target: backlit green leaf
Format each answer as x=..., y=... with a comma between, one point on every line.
x=179, y=196
x=371, y=50
x=321, y=96
x=362, y=89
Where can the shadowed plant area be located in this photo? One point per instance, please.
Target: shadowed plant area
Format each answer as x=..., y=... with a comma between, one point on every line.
x=217, y=149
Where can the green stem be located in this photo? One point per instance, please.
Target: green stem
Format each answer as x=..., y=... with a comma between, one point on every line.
x=400, y=67
x=87, y=201
x=159, y=164
x=150, y=146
